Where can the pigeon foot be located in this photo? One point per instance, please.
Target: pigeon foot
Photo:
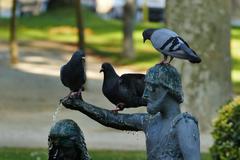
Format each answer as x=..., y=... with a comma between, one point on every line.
x=72, y=95
x=170, y=60
x=115, y=110
x=164, y=62
x=119, y=107
x=76, y=95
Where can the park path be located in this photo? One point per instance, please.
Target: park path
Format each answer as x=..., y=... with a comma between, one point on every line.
x=30, y=92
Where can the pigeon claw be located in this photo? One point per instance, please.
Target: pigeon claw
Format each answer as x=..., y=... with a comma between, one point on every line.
x=120, y=106
x=76, y=95
x=164, y=62
x=115, y=110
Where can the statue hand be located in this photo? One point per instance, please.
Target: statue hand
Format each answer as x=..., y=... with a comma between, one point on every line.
x=70, y=102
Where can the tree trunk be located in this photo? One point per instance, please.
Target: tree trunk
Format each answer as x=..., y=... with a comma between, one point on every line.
x=128, y=26
x=13, y=37
x=145, y=11
x=235, y=9
x=80, y=26
x=205, y=25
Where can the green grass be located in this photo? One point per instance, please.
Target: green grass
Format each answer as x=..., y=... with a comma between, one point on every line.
x=41, y=154
x=103, y=37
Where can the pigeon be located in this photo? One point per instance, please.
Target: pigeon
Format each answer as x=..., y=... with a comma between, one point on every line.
x=124, y=91
x=73, y=74
x=170, y=44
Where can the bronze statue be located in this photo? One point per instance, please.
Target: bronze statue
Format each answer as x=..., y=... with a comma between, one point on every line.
x=66, y=142
x=170, y=134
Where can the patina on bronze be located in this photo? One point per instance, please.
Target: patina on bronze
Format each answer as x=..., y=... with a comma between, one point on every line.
x=170, y=134
x=66, y=142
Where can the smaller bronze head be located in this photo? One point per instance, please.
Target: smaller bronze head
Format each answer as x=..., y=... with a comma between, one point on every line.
x=66, y=142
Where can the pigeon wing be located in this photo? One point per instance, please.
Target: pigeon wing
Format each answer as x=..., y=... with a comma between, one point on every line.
x=73, y=75
x=111, y=92
x=194, y=57
x=78, y=78
x=131, y=89
x=64, y=76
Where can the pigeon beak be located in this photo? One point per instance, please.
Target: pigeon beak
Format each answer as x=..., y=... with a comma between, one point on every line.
x=101, y=70
x=83, y=58
x=144, y=40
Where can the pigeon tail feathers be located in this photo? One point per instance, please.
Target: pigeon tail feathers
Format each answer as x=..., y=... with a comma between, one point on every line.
x=195, y=60
x=191, y=54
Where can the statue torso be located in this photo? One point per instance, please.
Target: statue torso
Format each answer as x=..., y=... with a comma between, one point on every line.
x=161, y=137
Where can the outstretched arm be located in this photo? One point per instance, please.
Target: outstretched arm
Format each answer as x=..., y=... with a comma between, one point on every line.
x=188, y=138
x=132, y=122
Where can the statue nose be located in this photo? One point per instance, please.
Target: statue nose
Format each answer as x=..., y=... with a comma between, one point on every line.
x=145, y=94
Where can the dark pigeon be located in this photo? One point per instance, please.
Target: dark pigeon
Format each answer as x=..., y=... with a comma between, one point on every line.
x=124, y=91
x=73, y=74
x=170, y=44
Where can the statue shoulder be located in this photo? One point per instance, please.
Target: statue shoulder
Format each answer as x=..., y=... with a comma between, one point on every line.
x=187, y=134
x=186, y=117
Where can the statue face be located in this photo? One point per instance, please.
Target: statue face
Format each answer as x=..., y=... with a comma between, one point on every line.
x=155, y=95
x=62, y=151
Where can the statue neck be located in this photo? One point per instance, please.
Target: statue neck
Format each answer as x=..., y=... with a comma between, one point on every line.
x=170, y=108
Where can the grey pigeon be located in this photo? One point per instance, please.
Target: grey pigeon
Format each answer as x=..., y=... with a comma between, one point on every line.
x=73, y=74
x=124, y=91
x=170, y=44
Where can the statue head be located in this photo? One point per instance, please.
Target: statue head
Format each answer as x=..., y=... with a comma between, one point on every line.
x=166, y=80
x=66, y=142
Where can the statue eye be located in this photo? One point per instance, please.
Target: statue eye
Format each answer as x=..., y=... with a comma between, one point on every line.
x=153, y=89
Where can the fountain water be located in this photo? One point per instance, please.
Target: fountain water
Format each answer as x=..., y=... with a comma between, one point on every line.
x=58, y=109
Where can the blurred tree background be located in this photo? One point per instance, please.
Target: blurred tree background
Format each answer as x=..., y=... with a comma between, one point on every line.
x=115, y=35
x=53, y=4
x=208, y=34
x=80, y=25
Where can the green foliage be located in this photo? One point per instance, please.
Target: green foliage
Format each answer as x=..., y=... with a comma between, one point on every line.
x=226, y=132
x=206, y=156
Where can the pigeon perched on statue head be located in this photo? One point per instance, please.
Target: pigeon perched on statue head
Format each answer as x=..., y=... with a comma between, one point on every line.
x=170, y=44
x=73, y=74
x=124, y=91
